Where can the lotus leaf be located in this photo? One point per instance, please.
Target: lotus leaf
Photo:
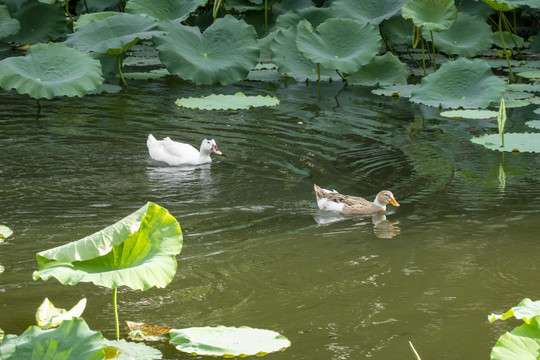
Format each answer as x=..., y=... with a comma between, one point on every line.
x=314, y=15
x=535, y=124
x=244, y=5
x=395, y=90
x=525, y=310
x=138, y=251
x=468, y=36
x=48, y=316
x=227, y=102
x=522, y=343
x=434, y=15
x=383, y=70
x=331, y=45
x=224, y=53
x=228, y=341
x=86, y=18
x=72, y=340
x=506, y=5
x=175, y=10
x=114, y=35
x=5, y=232
x=124, y=350
x=370, y=11
x=533, y=74
x=470, y=114
x=398, y=30
x=39, y=22
x=291, y=61
x=460, y=83
x=8, y=26
x=50, y=70
x=508, y=42
x=513, y=142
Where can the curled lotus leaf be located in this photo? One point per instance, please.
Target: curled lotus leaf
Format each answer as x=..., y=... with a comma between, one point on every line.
x=224, y=53
x=8, y=26
x=113, y=35
x=5, y=232
x=370, y=11
x=49, y=316
x=228, y=341
x=174, y=10
x=398, y=31
x=227, y=102
x=50, y=70
x=460, y=83
x=513, y=142
x=468, y=36
x=434, y=15
x=525, y=310
x=138, y=251
x=330, y=43
x=383, y=70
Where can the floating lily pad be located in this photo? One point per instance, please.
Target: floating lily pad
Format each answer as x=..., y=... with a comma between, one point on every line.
x=48, y=316
x=434, y=15
x=330, y=45
x=224, y=53
x=228, y=341
x=174, y=10
x=470, y=114
x=227, y=102
x=535, y=124
x=534, y=74
x=50, y=70
x=513, y=142
x=370, y=11
x=460, y=83
x=395, y=90
x=383, y=70
x=535, y=87
x=468, y=36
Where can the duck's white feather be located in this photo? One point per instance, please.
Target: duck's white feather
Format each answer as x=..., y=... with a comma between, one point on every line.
x=177, y=153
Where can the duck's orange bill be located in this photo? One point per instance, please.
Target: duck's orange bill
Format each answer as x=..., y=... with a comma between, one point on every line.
x=394, y=202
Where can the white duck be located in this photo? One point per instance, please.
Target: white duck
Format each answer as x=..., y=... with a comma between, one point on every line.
x=177, y=153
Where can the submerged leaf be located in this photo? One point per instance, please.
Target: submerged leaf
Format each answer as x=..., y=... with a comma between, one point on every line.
x=72, y=340
x=228, y=341
x=138, y=251
x=50, y=70
x=460, y=83
x=513, y=142
x=146, y=332
x=227, y=102
x=48, y=316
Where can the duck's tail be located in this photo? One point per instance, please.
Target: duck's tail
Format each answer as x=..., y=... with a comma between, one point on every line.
x=319, y=192
x=151, y=140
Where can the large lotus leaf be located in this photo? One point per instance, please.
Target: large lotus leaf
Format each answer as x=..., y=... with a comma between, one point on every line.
x=434, y=15
x=176, y=10
x=138, y=251
x=513, y=142
x=228, y=341
x=224, y=53
x=383, y=70
x=5, y=232
x=39, y=22
x=84, y=19
x=398, y=31
x=126, y=350
x=227, y=102
x=525, y=310
x=460, y=83
x=371, y=11
x=468, y=36
x=522, y=343
x=331, y=45
x=314, y=15
x=8, y=26
x=50, y=70
x=113, y=35
x=291, y=61
x=72, y=340
x=49, y=316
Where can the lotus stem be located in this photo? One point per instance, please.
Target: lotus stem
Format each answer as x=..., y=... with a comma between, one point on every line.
x=504, y=47
x=120, y=71
x=86, y=7
x=423, y=57
x=341, y=75
x=433, y=46
x=67, y=11
x=115, y=304
x=511, y=31
x=38, y=105
x=318, y=73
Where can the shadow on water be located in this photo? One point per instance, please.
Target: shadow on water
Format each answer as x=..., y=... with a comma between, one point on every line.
x=257, y=251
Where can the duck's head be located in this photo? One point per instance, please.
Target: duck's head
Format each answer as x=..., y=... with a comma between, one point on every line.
x=384, y=197
x=209, y=145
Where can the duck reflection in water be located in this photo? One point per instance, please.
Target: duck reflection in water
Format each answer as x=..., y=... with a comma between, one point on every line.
x=382, y=227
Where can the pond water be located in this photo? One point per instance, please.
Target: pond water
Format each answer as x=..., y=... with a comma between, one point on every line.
x=256, y=250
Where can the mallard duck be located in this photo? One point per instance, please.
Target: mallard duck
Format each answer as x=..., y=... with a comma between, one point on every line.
x=352, y=205
x=177, y=153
